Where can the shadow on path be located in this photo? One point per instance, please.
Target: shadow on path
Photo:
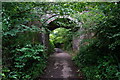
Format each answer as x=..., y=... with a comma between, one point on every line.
x=60, y=67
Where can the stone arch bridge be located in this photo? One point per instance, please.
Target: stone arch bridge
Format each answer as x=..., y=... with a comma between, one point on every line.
x=48, y=20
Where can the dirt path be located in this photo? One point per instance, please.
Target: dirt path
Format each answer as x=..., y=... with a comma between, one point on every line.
x=60, y=66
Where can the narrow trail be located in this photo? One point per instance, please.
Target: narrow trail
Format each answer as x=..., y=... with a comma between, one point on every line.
x=60, y=66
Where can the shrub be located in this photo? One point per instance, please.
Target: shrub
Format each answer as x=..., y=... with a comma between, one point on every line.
x=28, y=62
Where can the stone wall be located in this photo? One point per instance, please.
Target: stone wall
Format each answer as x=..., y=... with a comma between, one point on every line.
x=43, y=37
x=77, y=40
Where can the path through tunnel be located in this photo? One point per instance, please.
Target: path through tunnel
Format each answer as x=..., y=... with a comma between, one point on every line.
x=60, y=64
x=62, y=30
x=46, y=39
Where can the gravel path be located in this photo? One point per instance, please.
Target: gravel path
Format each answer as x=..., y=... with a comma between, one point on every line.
x=60, y=67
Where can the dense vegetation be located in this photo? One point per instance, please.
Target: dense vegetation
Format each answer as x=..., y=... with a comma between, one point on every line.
x=61, y=38
x=25, y=57
x=99, y=58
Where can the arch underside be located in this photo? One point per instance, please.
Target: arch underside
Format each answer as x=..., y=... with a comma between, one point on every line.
x=53, y=25
x=51, y=18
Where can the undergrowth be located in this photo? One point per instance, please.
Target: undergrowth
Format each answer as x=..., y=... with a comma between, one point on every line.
x=28, y=63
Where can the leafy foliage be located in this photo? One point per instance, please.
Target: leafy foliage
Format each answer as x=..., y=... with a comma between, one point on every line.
x=29, y=62
x=23, y=55
x=61, y=37
x=99, y=59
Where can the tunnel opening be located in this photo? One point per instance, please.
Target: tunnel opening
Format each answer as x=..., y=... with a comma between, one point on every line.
x=61, y=33
x=61, y=38
x=62, y=29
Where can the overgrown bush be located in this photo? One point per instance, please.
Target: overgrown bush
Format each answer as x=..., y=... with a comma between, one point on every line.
x=24, y=58
x=99, y=59
x=28, y=63
x=95, y=65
